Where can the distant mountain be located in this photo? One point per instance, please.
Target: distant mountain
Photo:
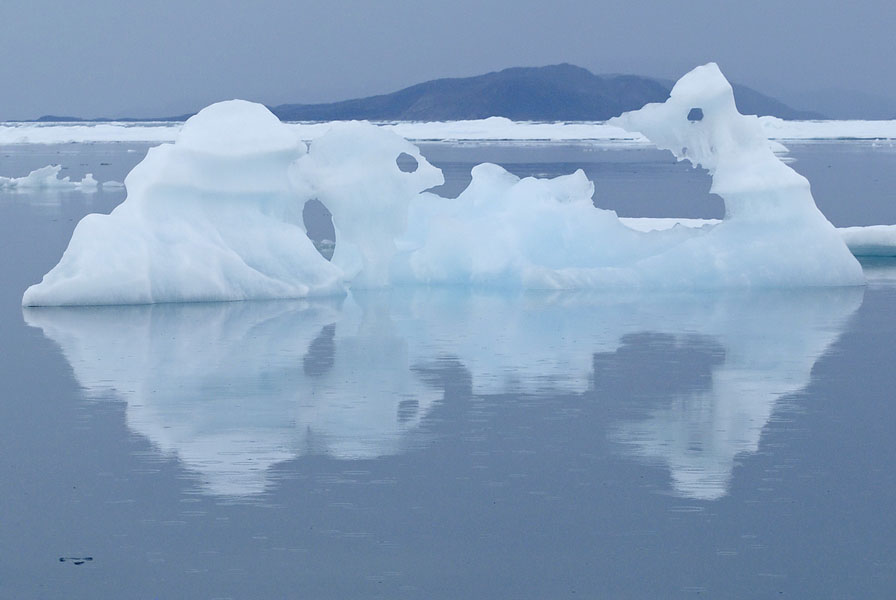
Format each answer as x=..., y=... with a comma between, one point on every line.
x=64, y=119
x=554, y=93
x=751, y=102
x=846, y=104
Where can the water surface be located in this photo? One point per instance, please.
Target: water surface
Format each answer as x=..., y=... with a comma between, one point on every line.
x=443, y=443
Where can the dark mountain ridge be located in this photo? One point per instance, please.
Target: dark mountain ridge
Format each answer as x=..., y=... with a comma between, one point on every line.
x=553, y=93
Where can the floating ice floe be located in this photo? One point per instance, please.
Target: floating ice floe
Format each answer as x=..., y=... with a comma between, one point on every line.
x=86, y=133
x=48, y=178
x=873, y=240
x=492, y=129
x=218, y=216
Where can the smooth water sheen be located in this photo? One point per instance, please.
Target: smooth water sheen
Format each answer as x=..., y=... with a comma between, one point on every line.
x=445, y=444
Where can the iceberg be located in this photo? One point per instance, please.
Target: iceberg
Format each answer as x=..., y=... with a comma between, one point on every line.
x=536, y=233
x=211, y=217
x=217, y=215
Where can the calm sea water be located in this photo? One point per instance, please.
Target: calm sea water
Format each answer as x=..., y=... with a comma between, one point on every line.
x=446, y=444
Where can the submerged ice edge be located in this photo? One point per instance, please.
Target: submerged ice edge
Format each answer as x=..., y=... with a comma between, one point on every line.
x=218, y=216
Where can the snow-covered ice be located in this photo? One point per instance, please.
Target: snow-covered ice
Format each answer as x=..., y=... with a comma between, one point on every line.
x=779, y=129
x=86, y=133
x=492, y=129
x=217, y=215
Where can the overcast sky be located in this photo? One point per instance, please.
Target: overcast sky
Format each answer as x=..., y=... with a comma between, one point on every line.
x=159, y=57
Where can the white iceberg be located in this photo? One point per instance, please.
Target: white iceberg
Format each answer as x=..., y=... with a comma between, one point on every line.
x=546, y=234
x=218, y=216
x=212, y=217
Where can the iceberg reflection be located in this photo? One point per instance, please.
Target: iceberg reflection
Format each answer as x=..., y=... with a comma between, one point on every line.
x=747, y=354
x=234, y=388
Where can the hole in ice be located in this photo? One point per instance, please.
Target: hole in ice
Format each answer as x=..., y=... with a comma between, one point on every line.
x=696, y=114
x=319, y=227
x=406, y=163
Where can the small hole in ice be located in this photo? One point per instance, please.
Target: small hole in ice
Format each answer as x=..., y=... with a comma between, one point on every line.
x=696, y=114
x=319, y=227
x=406, y=163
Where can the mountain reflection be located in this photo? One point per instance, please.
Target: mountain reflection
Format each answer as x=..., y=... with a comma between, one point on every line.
x=231, y=389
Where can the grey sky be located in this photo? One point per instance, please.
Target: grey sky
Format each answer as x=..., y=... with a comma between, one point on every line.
x=114, y=57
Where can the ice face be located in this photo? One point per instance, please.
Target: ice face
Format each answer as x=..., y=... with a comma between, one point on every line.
x=218, y=216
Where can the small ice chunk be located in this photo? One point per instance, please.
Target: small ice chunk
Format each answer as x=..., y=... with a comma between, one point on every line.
x=47, y=178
